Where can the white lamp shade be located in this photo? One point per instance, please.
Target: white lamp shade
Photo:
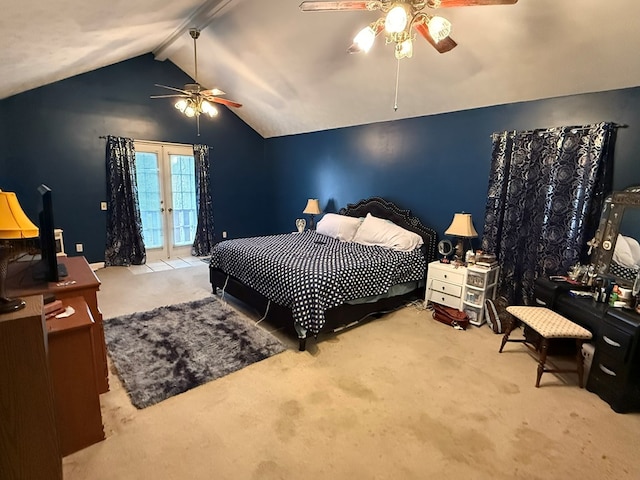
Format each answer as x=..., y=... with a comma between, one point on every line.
x=313, y=207
x=462, y=226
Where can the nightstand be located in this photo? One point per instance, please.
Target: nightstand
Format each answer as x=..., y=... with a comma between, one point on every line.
x=445, y=284
x=464, y=288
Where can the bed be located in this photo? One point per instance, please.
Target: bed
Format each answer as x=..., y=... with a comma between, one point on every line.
x=317, y=283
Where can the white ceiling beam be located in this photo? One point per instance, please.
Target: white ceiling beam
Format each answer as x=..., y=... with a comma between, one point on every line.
x=199, y=19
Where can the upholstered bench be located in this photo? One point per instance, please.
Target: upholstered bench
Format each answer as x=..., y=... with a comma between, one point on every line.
x=549, y=325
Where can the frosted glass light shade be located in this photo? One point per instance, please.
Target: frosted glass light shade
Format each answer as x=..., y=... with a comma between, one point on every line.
x=439, y=28
x=404, y=49
x=396, y=20
x=364, y=39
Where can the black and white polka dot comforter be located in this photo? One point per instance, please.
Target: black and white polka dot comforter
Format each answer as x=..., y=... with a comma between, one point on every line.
x=311, y=272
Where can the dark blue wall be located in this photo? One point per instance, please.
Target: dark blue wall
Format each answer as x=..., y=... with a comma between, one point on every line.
x=435, y=165
x=51, y=135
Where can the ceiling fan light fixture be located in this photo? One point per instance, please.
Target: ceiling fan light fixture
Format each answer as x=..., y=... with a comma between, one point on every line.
x=181, y=105
x=439, y=28
x=208, y=109
x=404, y=49
x=364, y=39
x=190, y=110
x=396, y=20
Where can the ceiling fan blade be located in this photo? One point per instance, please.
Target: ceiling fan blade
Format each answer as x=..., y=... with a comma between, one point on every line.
x=474, y=3
x=173, y=88
x=328, y=6
x=175, y=95
x=443, y=46
x=224, y=101
x=213, y=91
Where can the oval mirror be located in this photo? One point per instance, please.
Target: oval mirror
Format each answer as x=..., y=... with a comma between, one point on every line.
x=445, y=248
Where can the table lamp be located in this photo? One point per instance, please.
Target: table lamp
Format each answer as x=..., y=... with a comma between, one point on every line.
x=15, y=226
x=461, y=227
x=312, y=209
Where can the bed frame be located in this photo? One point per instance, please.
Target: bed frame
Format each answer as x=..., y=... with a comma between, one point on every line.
x=346, y=315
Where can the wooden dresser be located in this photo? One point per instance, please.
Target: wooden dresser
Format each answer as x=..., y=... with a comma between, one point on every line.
x=81, y=282
x=29, y=447
x=77, y=402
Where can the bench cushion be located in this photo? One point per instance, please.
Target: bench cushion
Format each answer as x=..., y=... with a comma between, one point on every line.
x=548, y=323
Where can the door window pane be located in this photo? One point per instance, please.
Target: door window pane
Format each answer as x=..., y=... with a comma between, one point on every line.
x=148, y=178
x=183, y=185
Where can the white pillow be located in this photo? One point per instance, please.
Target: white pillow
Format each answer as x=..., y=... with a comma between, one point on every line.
x=627, y=251
x=622, y=253
x=338, y=226
x=634, y=246
x=377, y=231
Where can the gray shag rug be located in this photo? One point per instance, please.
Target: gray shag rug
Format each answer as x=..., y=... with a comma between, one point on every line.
x=169, y=350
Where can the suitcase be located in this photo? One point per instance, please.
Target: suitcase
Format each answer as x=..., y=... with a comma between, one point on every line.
x=450, y=316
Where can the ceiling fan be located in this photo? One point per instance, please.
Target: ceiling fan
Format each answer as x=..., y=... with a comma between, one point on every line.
x=194, y=100
x=401, y=18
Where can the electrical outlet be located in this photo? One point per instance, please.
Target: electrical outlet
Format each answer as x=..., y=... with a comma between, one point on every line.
x=79, y=247
x=224, y=234
x=103, y=205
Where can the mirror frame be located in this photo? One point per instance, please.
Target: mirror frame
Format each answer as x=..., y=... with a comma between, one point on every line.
x=607, y=233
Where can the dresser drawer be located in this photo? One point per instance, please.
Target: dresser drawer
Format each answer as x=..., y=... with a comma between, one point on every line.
x=606, y=376
x=614, y=343
x=450, y=276
x=448, y=288
x=444, y=299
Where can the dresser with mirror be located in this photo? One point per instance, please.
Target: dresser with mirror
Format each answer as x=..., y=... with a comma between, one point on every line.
x=615, y=370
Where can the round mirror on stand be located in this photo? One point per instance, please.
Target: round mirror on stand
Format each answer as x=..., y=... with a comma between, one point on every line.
x=445, y=248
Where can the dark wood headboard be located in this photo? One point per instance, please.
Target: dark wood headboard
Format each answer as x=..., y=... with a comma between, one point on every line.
x=381, y=208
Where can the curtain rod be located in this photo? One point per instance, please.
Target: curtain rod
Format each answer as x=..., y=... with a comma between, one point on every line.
x=155, y=142
x=574, y=129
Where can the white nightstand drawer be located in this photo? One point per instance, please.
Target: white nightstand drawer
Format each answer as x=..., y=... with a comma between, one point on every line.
x=444, y=299
x=449, y=275
x=443, y=287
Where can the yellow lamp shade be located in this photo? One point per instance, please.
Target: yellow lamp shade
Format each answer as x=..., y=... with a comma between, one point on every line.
x=313, y=207
x=14, y=223
x=462, y=226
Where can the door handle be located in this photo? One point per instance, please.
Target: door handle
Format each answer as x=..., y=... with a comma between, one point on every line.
x=170, y=210
x=161, y=209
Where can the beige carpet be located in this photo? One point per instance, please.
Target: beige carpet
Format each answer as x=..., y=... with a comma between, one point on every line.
x=402, y=397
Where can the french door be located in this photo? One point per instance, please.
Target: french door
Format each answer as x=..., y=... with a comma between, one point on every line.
x=165, y=175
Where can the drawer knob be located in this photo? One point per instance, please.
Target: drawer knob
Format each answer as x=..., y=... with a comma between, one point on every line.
x=443, y=288
x=445, y=275
x=610, y=342
x=607, y=371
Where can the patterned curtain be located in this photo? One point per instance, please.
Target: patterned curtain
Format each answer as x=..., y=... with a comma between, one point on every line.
x=125, y=245
x=204, y=240
x=546, y=190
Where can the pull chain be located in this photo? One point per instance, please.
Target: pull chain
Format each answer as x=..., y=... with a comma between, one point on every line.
x=395, y=105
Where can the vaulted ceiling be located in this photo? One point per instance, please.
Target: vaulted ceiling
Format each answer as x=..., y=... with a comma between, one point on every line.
x=291, y=71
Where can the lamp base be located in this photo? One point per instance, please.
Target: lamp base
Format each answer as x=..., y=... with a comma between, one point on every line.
x=459, y=252
x=8, y=305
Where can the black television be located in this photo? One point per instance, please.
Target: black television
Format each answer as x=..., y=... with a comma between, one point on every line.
x=48, y=268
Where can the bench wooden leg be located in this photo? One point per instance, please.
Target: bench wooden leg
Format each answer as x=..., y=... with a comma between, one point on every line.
x=543, y=359
x=505, y=338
